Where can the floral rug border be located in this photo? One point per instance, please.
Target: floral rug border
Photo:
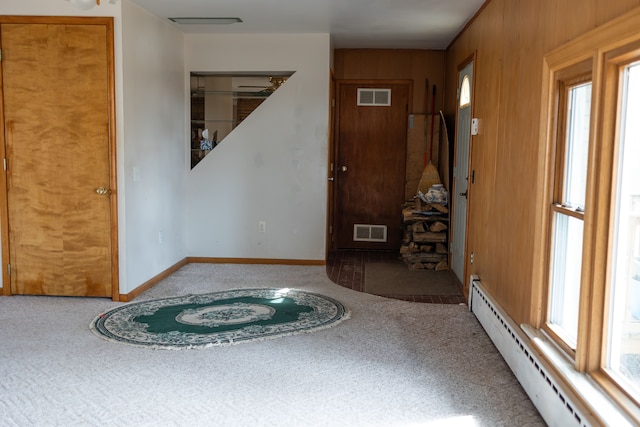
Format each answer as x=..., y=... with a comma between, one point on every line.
x=122, y=324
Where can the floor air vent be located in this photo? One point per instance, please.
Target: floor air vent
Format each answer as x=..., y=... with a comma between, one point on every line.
x=369, y=233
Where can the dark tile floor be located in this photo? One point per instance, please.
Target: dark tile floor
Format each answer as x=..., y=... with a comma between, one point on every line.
x=346, y=268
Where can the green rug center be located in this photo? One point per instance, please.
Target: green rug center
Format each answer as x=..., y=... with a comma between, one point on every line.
x=222, y=315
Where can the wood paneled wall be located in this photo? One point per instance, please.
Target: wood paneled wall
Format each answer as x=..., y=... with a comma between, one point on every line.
x=509, y=39
x=402, y=64
x=395, y=64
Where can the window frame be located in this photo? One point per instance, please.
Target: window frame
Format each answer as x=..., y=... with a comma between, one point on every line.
x=605, y=50
x=614, y=63
x=564, y=80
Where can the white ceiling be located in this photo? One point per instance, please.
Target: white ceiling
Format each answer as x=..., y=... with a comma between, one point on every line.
x=383, y=24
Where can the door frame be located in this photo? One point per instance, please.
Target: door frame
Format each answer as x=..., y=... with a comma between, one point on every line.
x=329, y=241
x=107, y=22
x=333, y=154
x=465, y=259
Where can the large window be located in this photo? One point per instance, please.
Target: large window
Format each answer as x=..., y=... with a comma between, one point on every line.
x=568, y=211
x=623, y=345
x=589, y=303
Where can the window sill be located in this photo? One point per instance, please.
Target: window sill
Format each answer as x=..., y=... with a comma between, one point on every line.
x=592, y=395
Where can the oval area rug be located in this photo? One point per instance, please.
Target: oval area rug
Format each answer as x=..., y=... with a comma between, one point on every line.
x=218, y=318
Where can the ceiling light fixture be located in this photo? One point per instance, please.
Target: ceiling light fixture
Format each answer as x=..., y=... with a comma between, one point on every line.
x=87, y=4
x=84, y=4
x=206, y=21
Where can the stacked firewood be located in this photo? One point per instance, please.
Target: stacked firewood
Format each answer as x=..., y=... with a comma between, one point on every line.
x=424, y=245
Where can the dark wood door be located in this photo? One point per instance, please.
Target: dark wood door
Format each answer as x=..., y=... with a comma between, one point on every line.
x=55, y=88
x=370, y=166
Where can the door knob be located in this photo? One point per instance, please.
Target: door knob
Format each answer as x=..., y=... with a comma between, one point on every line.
x=343, y=168
x=102, y=191
x=464, y=194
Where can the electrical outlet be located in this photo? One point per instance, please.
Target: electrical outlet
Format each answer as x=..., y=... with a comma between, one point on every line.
x=160, y=237
x=262, y=226
x=472, y=257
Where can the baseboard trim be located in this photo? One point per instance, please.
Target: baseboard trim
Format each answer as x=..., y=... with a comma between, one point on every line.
x=207, y=260
x=273, y=261
x=153, y=281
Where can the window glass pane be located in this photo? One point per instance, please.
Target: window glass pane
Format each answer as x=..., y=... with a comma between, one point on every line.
x=577, y=146
x=566, y=264
x=624, y=320
x=465, y=92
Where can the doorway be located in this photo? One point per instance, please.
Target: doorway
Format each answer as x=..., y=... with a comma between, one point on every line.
x=59, y=229
x=461, y=170
x=370, y=162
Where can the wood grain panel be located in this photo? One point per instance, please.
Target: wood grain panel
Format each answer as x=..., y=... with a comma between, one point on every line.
x=395, y=64
x=55, y=87
x=517, y=146
x=371, y=147
x=509, y=38
x=402, y=64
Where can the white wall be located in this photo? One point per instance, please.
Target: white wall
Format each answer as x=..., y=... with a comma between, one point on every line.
x=55, y=8
x=152, y=157
x=273, y=167
x=150, y=115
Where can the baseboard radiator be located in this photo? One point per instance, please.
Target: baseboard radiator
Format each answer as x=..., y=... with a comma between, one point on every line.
x=555, y=402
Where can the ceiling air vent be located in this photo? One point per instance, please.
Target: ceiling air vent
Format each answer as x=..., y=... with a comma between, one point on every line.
x=374, y=97
x=369, y=233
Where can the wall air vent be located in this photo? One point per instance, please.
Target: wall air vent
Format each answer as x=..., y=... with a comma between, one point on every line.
x=373, y=97
x=369, y=233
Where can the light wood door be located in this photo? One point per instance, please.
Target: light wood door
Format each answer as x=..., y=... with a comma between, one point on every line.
x=56, y=93
x=370, y=164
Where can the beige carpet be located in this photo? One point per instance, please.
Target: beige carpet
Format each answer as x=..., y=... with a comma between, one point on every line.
x=392, y=364
x=386, y=278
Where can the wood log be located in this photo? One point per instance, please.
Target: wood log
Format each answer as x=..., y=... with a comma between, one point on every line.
x=430, y=237
x=426, y=257
x=440, y=208
x=419, y=227
x=442, y=265
x=437, y=226
x=424, y=244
